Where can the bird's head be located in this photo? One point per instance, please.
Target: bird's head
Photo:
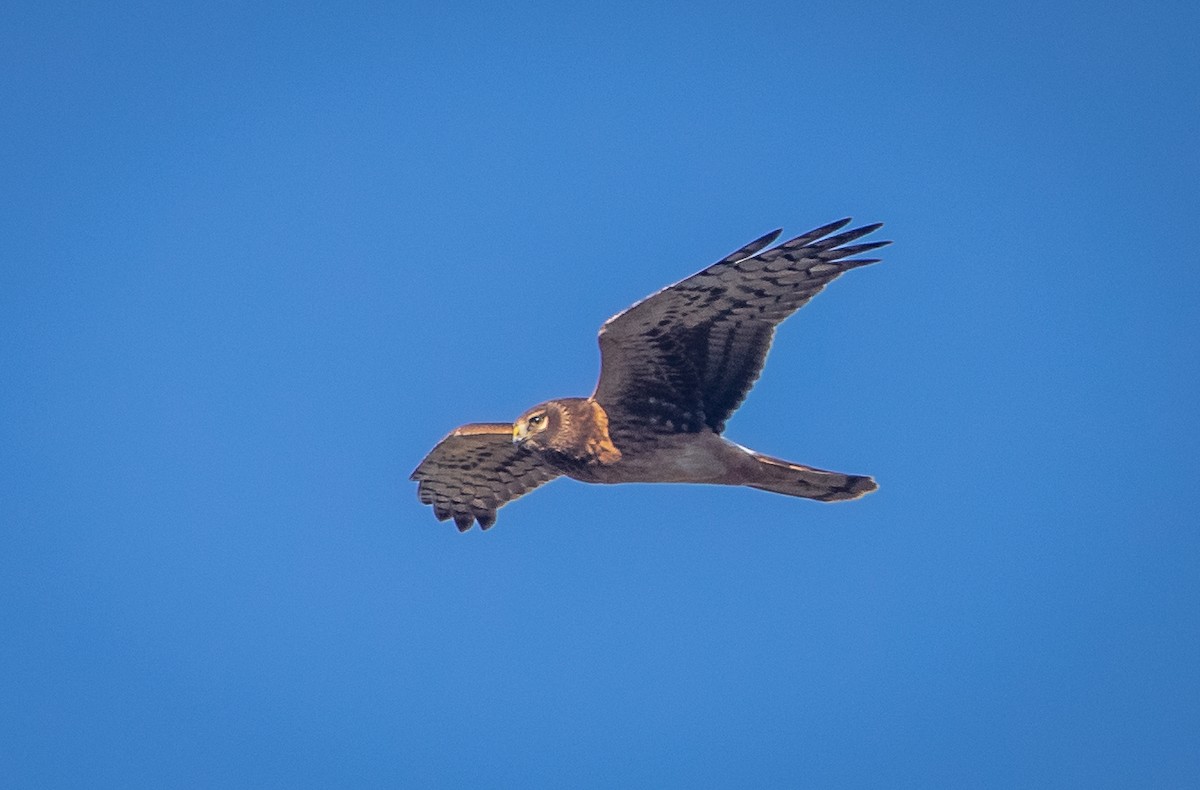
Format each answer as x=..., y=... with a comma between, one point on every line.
x=534, y=427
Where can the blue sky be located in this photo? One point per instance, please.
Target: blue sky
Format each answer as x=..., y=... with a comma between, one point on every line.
x=258, y=258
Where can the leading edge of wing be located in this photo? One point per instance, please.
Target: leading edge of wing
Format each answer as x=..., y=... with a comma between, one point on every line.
x=760, y=245
x=737, y=255
x=470, y=429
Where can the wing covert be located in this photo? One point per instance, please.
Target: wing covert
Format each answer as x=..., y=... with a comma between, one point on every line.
x=474, y=471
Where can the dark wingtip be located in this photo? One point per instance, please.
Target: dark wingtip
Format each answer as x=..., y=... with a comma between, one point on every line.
x=831, y=227
x=463, y=521
x=855, y=249
x=486, y=520
x=847, y=236
x=817, y=233
x=748, y=250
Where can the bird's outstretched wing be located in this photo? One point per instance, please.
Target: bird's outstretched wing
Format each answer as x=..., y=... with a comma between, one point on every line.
x=474, y=471
x=685, y=357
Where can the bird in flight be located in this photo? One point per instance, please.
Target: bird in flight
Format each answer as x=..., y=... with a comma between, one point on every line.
x=673, y=368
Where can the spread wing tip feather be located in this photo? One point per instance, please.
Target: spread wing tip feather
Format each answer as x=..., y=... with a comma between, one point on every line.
x=768, y=238
x=821, y=232
x=855, y=249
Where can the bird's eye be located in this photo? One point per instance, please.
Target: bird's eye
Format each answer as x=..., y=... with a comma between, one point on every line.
x=537, y=419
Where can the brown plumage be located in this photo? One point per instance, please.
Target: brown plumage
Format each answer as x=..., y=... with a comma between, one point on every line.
x=674, y=367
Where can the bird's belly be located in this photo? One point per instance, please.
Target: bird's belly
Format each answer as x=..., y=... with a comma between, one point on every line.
x=688, y=458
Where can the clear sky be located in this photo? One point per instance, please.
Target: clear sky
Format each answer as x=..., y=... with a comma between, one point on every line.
x=256, y=259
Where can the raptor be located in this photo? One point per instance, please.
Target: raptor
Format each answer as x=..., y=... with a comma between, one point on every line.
x=674, y=367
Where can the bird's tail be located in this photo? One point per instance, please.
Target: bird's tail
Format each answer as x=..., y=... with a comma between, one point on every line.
x=784, y=477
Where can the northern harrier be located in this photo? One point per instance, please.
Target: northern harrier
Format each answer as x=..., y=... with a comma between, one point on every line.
x=673, y=368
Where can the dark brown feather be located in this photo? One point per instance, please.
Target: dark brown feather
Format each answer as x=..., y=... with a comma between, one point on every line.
x=683, y=359
x=474, y=471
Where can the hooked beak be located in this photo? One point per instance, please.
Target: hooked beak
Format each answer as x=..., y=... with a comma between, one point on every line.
x=520, y=431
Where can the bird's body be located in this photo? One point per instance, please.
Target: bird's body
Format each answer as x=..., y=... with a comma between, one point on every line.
x=674, y=367
x=702, y=457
